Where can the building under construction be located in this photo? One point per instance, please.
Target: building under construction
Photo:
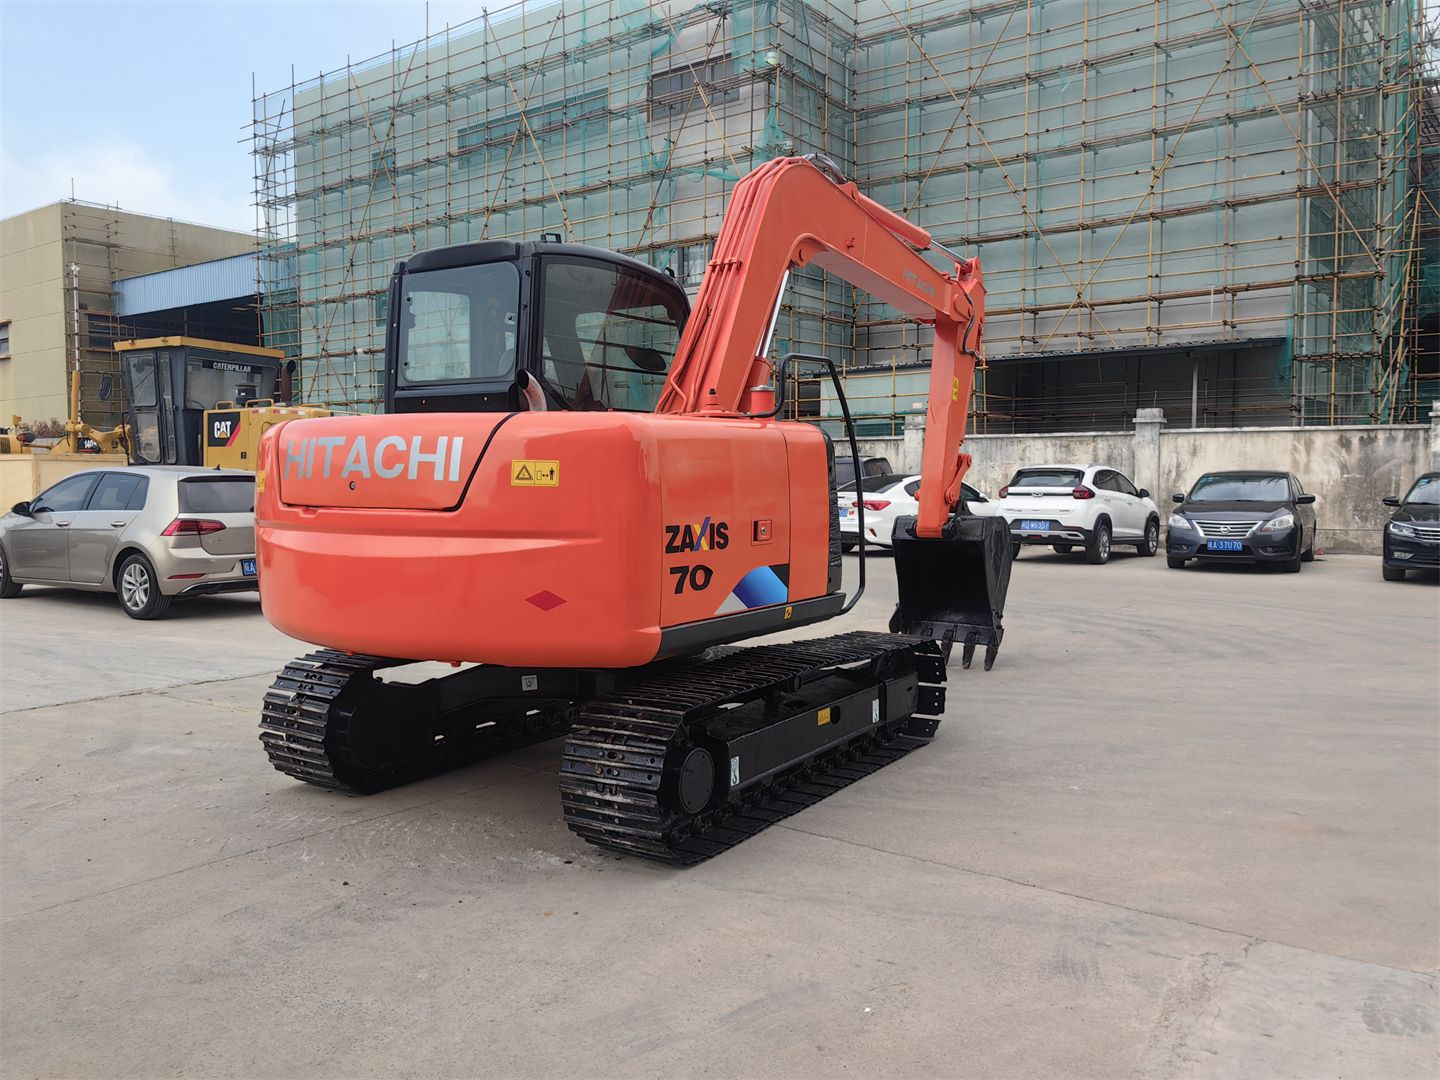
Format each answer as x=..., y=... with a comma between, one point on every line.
x=1221, y=207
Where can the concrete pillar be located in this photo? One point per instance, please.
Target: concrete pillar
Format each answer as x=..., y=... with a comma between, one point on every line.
x=1435, y=434
x=912, y=445
x=1148, y=423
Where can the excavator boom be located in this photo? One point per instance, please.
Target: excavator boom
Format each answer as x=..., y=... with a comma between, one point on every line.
x=794, y=212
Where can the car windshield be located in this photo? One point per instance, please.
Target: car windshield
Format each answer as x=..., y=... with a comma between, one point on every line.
x=873, y=484
x=1241, y=489
x=227, y=495
x=1426, y=491
x=1047, y=478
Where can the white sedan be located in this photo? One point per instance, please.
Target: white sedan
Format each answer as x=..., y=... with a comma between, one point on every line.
x=889, y=497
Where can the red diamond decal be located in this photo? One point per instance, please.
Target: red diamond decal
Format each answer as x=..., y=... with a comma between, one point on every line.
x=545, y=600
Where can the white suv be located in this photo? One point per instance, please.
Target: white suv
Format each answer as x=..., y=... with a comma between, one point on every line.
x=1070, y=506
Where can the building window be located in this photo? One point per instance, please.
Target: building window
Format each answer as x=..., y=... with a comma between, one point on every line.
x=674, y=92
x=492, y=139
x=5, y=340
x=382, y=308
x=693, y=260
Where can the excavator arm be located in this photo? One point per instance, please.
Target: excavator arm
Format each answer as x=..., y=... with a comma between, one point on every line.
x=794, y=212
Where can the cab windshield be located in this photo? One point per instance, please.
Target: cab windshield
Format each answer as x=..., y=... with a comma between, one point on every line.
x=607, y=335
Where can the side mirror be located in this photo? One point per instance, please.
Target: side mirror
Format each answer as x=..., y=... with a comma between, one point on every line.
x=1391, y=500
x=1304, y=500
x=650, y=360
x=1144, y=493
x=21, y=508
x=1178, y=497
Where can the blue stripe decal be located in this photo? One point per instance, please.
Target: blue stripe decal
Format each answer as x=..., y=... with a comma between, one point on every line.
x=761, y=587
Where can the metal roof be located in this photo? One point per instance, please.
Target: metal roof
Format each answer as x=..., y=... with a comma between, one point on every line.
x=202, y=283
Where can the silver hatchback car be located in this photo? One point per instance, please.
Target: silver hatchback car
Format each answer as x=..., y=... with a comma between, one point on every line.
x=148, y=534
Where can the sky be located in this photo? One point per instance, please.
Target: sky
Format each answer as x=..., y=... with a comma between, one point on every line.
x=145, y=105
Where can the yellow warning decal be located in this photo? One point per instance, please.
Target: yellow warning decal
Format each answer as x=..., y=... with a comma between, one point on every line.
x=789, y=610
x=259, y=480
x=955, y=389
x=526, y=473
x=822, y=717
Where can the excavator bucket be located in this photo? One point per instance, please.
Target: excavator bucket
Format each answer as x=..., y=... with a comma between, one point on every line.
x=952, y=588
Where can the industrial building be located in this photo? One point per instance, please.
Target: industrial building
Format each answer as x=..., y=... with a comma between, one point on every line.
x=59, y=266
x=1224, y=208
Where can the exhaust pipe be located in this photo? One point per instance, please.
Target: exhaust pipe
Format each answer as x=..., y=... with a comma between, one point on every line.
x=952, y=588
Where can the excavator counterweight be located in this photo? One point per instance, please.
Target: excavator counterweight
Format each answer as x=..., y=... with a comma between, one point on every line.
x=580, y=489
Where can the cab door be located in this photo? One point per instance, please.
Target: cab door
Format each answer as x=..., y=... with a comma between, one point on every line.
x=39, y=548
x=96, y=530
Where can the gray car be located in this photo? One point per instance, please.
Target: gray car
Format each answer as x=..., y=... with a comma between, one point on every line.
x=148, y=534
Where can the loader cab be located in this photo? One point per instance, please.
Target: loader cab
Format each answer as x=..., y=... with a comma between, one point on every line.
x=171, y=381
x=595, y=329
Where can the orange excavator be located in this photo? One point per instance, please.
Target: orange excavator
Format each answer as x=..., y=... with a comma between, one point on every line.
x=581, y=495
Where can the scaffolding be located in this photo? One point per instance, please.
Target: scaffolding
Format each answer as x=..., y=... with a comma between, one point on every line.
x=1160, y=190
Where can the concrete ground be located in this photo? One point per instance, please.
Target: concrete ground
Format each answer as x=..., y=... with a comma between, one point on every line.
x=1186, y=828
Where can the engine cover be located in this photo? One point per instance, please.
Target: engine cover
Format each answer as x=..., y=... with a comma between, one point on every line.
x=549, y=539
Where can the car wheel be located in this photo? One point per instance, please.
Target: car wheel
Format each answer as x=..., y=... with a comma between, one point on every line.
x=1308, y=555
x=1292, y=566
x=1151, y=544
x=1014, y=552
x=139, y=589
x=1174, y=564
x=9, y=587
x=1389, y=573
x=1098, y=550
x=1064, y=549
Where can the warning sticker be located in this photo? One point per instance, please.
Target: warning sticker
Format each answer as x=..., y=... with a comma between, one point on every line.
x=822, y=717
x=525, y=473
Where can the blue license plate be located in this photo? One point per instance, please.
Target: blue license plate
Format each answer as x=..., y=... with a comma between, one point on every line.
x=247, y=567
x=845, y=511
x=1224, y=545
x=1034, y=526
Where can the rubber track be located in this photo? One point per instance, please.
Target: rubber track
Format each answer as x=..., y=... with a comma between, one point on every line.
x=613, y=767
x=305, y=739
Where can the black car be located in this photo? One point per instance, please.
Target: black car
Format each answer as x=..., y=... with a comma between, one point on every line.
x=1249, y=516
x=1412, y=535
x=869, y=466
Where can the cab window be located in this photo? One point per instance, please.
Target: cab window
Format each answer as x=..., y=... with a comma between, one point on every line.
x=608, y=335
x=459, y=324
x=64, y=497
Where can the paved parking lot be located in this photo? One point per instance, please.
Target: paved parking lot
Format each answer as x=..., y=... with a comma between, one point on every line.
x=1186, y=828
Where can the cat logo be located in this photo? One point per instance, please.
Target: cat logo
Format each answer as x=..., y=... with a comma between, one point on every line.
x=224, y=428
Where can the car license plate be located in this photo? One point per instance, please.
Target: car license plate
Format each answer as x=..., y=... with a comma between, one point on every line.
x=247, y=567
x=1224, y=545
x=845, y=511
x=1034, y=526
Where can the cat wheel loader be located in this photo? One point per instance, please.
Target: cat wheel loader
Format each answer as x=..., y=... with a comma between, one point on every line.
x=582, y=494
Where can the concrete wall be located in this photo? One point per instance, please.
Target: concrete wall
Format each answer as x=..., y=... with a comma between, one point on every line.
x=1350, y=469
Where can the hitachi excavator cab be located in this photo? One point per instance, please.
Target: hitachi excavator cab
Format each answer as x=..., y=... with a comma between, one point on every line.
x=471, y=325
